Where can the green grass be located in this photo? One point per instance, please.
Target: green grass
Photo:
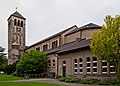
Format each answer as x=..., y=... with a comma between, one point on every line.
x=26, y=84
x=4, y=77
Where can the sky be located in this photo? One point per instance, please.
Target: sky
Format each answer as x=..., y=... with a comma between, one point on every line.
x=47, y=17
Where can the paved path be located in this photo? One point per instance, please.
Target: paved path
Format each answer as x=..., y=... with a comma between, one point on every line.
x=53, y=81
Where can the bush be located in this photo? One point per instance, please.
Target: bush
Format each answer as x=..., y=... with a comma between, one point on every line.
x=14, y=74
x=104, y=82
x=43, y=75
x=86, y=81
x=62, y=79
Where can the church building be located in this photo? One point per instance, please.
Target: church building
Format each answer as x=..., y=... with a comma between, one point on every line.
x=68, y=51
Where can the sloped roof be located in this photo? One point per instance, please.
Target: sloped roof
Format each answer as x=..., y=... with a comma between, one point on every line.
x=74, y=46
x=55, y=35
x=88, y=26
x=17, y=14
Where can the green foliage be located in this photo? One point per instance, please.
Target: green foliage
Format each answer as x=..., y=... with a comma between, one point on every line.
x=89, y=81
x=105, y=43
x=62, y=79
x=27, y=84
x=4, y=77
x=72, y=80
x=9, y=69
x=33, y=62
x=2, y=56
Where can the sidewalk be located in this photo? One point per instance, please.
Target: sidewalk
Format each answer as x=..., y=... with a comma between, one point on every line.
x=53, y=81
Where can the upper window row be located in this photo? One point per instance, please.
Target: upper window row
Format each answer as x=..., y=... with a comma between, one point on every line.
x=18, y=22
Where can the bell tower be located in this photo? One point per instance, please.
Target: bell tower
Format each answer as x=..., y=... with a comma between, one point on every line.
x=16, y=37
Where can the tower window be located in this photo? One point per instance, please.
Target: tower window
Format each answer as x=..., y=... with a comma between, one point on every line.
x=14, y=21
x=18, y=22
x=21, y=23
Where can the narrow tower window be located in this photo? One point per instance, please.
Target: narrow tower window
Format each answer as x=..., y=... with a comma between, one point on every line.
x=18, y=22
x=14, y=21
x=21, y=23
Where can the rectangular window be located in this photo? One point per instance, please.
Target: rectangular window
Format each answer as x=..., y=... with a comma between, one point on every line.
x=88, y=64
x=75, y=70
x=94, y=64
x=81, y=70
x=88, y=69
x=75, y=65
x=80, y=65
x=94, y=70
x=104, y=70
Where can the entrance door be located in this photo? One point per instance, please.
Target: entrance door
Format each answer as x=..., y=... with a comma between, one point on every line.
x=64, y=71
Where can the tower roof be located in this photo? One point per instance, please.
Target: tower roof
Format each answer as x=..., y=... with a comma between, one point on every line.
x=17, y=14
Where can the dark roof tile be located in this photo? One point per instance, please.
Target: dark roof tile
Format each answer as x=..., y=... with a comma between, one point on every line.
x=17, y=14
x=88, y=26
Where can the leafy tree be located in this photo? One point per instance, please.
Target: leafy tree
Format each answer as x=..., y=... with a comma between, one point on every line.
x=105, y=43
x=2, y=55
x=33, y=62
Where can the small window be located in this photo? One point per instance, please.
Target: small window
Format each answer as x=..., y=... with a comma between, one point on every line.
x=64, y=62
x=53, y=63
x=14, y=21
x=94, y=59
x=49, y=63
x=54, y=44
x=38, y=49
x=88, y=59
x=88, y=69
x=21, y=23
x=94, y=70
x=75, y=60
x=45, y=47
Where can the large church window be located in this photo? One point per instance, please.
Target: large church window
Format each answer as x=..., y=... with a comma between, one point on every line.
x=104, y=66
x=75, y=66
x=94, y=65
x=88, y=64
x=80, y=65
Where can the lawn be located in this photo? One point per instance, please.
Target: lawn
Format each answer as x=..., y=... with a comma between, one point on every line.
x=4, y=77
x=26, y=84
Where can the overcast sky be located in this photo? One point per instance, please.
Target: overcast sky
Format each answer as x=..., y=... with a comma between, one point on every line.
x=47, y=17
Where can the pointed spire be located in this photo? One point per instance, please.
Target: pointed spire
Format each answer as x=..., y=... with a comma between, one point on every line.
x=16, y=8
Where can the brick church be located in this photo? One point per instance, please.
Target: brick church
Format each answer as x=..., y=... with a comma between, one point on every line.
x=68, y=51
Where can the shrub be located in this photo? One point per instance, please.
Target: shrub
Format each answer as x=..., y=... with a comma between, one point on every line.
x=86, y=81
x=62, y=79
x=104, y=82
x=14, y=74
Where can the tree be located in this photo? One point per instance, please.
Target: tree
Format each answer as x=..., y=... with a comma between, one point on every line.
x=2, y=55
x=33, y=62
x=105, y=43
